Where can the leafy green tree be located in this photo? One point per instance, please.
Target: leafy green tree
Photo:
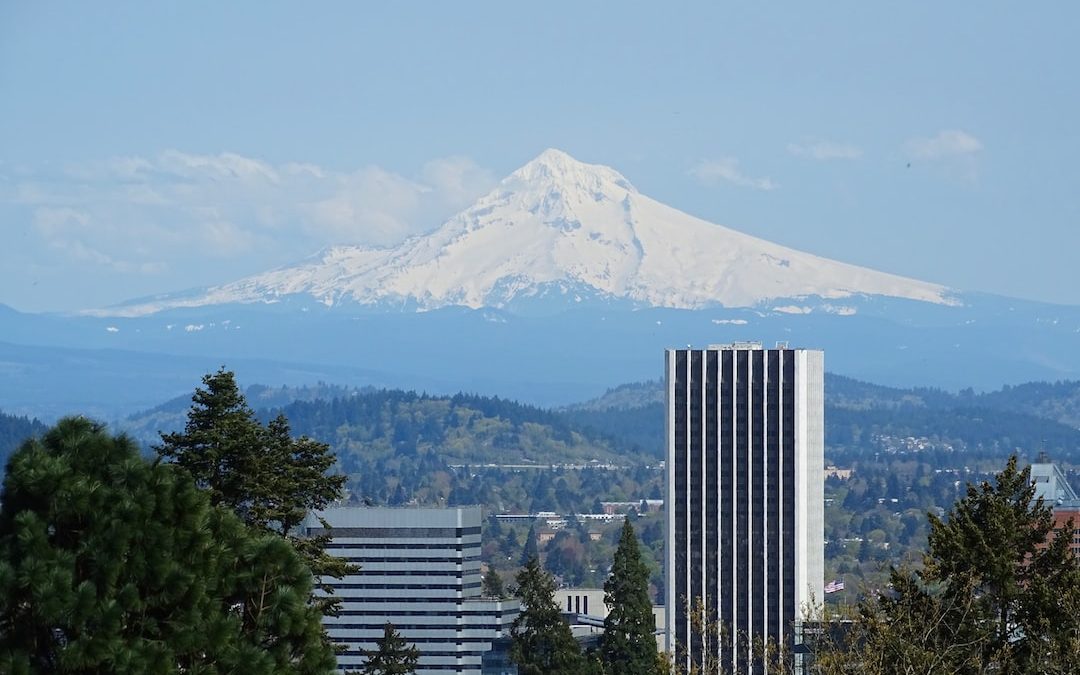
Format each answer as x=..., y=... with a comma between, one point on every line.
x=628, y=645
x=269, y=479
x=542, y=641
x=493, y=584
x=393, y=656
x=110, y=563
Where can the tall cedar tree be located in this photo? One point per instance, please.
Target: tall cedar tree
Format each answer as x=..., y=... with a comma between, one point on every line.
x=110, y=563
x=628, y=645
x=269, y=479
x=991, y=597
x=392, y=656
x=542, y=641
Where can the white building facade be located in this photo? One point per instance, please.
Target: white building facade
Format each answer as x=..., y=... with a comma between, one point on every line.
x=744, y=497
x=420, y=571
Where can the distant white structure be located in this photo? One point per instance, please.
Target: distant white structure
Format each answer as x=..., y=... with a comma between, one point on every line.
x=1051, y=484
x=590, y=610
x=420, y=571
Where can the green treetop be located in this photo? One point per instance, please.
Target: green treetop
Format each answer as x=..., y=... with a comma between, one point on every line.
x=542, y=641
x=991, y=596
x=628, y=645
x=392, y=656
x=110, y=563
x=531, y=549
x=269, y=479
x=493, y=584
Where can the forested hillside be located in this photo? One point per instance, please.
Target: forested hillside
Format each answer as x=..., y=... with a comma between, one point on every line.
x=13, y=431
x=462, y=429
x=909, y=451
x=146, y=426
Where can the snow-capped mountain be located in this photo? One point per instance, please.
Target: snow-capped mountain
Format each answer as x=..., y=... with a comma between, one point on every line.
x=560, y=226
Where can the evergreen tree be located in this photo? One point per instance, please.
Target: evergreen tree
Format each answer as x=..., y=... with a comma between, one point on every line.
x=628, y=645
x=493, y=584
x=393, y=656
x=542, y=641
x=532, y=548
x=109, y=563
x=990, y=597
x=989, y=553
x=269, y=479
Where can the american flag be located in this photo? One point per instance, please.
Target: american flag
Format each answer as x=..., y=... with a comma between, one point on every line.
x=834, y=586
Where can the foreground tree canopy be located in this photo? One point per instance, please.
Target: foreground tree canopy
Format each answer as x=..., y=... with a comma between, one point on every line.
x=269, y=479
x=990, y=597
x=110, y=563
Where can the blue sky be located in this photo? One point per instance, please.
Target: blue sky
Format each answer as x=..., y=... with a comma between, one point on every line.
x=149, y=147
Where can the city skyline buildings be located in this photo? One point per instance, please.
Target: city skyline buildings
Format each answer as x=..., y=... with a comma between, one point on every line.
x=744, y=449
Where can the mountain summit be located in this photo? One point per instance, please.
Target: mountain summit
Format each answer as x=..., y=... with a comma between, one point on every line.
x=560, y=227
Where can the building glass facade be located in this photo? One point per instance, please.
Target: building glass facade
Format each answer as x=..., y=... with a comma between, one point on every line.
x=745, y=531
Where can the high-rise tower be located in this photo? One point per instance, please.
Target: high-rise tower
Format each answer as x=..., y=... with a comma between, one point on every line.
x=744, y=502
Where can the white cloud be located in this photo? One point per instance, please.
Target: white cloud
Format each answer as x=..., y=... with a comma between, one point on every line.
x=822, y=150
x=949, y=143
x=145, y=215
x=457, y=179
x=726, y=169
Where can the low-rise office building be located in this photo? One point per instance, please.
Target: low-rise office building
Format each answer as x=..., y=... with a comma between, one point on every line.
x=420, y=571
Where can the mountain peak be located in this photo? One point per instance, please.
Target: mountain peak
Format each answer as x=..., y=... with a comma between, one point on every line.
x=555, y=166
x=562, y=229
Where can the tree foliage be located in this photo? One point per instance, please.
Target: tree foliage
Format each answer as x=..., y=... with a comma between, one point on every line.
x=542, y=641
x=109, y=563
x=628, y=645
x=268, y=478
x=493, y=584
x=991, y=596
x=392, y=655
x=531, y=549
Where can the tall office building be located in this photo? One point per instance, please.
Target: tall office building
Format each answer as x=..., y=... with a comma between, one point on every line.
x=420, y=571
x=745, y=530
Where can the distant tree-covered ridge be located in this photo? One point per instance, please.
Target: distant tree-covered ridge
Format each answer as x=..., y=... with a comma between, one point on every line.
x=862, y=419
x=461, y=429
x=13, y=431
x=626, y=424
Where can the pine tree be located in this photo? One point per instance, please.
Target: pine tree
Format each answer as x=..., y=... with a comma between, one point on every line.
x=990, y=553
x=493, y=584
x=628, y=645
x=269, y=479
x=532, y=548
x=392, y=656
x=110, y=563
x=542, y=641
x=990, y=596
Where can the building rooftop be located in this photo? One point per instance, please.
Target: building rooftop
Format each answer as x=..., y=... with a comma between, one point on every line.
x=1051, y=484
